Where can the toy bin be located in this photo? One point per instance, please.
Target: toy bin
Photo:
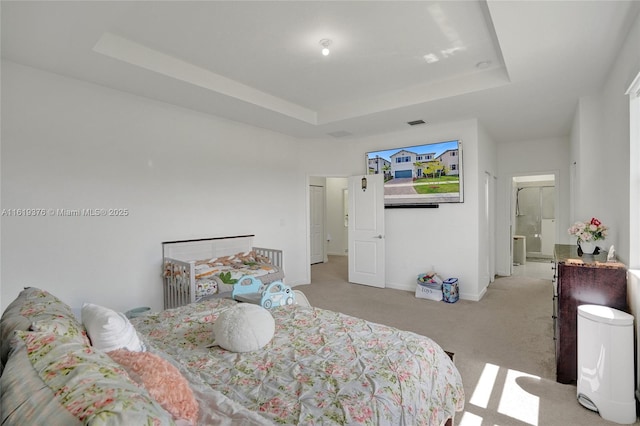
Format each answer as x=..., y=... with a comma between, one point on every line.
x=429, y=286
x=450, y=292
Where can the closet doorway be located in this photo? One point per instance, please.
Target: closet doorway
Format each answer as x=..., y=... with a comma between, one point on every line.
x=316, y=223
x=328, y=205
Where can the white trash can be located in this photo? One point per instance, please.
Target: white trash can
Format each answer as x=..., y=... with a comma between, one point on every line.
x=605, y=363
x=519, y=249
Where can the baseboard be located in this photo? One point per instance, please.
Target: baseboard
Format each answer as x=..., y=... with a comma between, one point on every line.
x=404, y=287
x=481, y=295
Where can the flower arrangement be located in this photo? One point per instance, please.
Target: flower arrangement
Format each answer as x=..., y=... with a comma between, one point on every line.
x=592, y=230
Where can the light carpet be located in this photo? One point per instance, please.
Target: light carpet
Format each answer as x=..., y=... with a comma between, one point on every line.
x=503, y=344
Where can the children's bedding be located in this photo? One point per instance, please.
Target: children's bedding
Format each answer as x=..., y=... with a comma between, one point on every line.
x=321, y=367
x=216, y=275
x=235, y=266
x=212, y=279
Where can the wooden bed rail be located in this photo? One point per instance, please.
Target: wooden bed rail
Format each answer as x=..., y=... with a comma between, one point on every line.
x=178, y=283
x=274, y=256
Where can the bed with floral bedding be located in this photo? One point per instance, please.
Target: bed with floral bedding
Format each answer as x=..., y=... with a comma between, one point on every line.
x=319, y=368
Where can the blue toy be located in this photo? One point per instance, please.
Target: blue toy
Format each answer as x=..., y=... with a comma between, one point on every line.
x=247, y=286
x=277, y=294
x=251, y=290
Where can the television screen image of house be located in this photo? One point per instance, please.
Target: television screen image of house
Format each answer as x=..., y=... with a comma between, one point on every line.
x=421, y=174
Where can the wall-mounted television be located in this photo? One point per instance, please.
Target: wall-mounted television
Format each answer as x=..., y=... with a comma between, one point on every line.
x=420, y=175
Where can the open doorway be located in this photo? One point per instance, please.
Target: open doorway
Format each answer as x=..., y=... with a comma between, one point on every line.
x=534, y=199
x=329, y=214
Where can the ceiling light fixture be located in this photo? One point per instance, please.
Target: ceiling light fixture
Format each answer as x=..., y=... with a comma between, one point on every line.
x=325, y=43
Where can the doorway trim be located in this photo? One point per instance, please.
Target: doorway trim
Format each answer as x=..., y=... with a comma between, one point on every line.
x=318, y=222
x=308, y=180
x=512, y=205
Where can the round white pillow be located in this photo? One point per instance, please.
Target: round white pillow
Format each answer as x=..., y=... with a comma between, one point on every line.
x=244, y=327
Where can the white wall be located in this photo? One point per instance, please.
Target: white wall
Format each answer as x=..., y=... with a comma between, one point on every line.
x=487, y=202
x=601, y=149
x=616, y=134
x=72, y=145
x=606, y=189
x=547, y=156
x=67, y=144
x=588, y=169
x=600, y=178
x=624, y=200
x=445, y=239
x=181, y=174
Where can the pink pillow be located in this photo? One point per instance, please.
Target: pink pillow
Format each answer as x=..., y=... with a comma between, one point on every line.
x=162, y=380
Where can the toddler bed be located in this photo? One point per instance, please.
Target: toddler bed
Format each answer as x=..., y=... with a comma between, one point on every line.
x=194, y=270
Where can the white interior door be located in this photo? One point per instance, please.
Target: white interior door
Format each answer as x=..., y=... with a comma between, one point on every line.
x=366, y=231
x=316, y=220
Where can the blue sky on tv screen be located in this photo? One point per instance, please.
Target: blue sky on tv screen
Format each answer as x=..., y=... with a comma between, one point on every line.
x=435, y=148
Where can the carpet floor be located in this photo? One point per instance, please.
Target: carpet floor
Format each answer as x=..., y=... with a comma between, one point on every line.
x=503, y=344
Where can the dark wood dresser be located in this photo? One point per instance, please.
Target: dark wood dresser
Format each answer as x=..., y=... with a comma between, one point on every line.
x=580, y=280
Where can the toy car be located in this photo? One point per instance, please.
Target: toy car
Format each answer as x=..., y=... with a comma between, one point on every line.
x=248, y=289
x=251, y=290
x=277, y=294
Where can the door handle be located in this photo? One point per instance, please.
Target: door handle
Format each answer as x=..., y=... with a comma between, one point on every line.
x=378, y=236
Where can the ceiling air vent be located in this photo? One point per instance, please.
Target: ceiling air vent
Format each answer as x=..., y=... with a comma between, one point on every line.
x=340, y=134
x=416, y=122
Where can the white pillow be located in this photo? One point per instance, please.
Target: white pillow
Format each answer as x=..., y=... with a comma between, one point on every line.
x=109, y=330
x=244, y=327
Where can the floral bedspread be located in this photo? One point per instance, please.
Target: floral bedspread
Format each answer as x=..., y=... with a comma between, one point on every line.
x=321, y=367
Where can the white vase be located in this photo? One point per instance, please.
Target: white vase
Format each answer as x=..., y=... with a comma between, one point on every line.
x=588, y=247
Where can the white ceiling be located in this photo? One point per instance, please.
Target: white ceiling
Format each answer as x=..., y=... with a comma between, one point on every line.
x=260, y=62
